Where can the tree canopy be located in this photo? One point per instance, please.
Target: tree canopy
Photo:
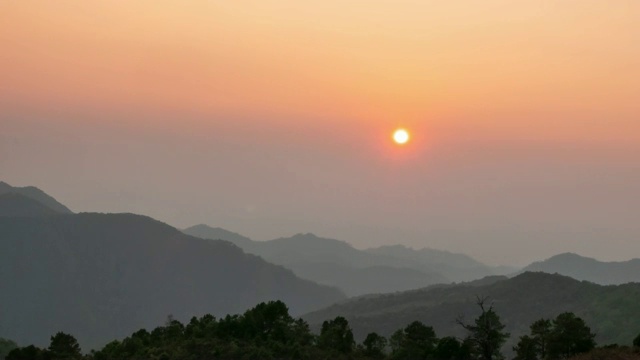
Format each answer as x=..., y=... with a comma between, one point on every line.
x=268, y=331
x=486, y=335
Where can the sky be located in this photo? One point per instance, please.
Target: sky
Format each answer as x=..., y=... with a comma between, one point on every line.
x=271, y=118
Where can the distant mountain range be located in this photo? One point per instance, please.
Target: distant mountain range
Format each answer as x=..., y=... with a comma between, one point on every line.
x=103, y=276
x=356, y=272
x=15, y=204
x=35, y=194
x=584, y=268
x=611, y=311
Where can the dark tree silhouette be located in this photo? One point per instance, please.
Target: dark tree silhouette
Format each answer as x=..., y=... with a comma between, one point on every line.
x=416, y=341
x=486, y=334
x=527, y=349
x=336, y=335
x=450, y=348
x=64, y=347
x=374, y=346
x=569, y=336
x=6, y=346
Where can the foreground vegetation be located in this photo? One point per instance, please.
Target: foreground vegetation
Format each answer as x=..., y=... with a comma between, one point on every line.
x=267, y=331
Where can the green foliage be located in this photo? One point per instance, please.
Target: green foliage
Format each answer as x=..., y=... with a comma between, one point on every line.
x=450, y=348
x=374, y=346
x=267, y=331
x=535, y=346
x=6, y=346
x=527, y=349
x=416, y=341
x=487, y=334
x=27, y=353
x=636, y=341
x=336, y=335
x=64, y=347
x=569, y=336
x=612, y=312
x=561, y=338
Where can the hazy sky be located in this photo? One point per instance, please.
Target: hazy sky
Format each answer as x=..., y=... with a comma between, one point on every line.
x=274, y=117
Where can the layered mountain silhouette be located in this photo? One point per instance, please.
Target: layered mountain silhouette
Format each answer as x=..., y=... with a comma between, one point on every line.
x=584, y=268
x=611, y=311
x=103, y=276
x=15, y=204
x=35, y=194
x=356, y=272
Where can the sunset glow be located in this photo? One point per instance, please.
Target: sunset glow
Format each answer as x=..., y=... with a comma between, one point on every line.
x=269, y=114
x=401, y=136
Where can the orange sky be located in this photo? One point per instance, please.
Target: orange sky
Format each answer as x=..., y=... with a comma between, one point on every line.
x=513, y=89
x=371, y=62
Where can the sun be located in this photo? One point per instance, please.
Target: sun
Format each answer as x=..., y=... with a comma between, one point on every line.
x=401, y=136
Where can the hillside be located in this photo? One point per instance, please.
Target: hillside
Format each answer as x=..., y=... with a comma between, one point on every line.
x=357, y=272
x=15, y=204
x=331, y=262
x=455, y=267
x=102, y=276
x=584, y=268
x=35, y=194
x=612, y=311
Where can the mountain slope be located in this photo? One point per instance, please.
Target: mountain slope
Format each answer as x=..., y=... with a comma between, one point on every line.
x=456, y=267
x=331, y=262
x=14, y=204
x=207, y=232
x=100, y=277
x=612, y=311
x=35, y=194
x=583, y=268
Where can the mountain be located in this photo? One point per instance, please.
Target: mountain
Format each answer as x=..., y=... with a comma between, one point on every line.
x=103, y=276
x=15, y=204
x=330, y=262
x=207, y=232
x=35, y=194
x=358, y=272
x=611, y=311
x=456, y=267
x=583, y=268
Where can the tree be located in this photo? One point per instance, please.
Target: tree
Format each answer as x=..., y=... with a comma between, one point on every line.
x=535, y=346
x=64, y=347
x=449, y=348
x=336, y=335
x=541, y=332
x=27, y=353
x=636, y=341
x=569, y=336
x=487, y=334
x=6, y=346
x=269, y=322
x=374, y=345
x=416, y=341
x=527, y=349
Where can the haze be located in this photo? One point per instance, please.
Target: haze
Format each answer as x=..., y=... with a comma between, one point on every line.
x=275, y=117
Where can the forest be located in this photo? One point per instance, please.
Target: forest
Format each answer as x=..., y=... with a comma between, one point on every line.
x=268, y=331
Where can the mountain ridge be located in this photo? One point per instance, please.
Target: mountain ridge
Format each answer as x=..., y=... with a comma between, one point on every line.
x=331, y=262
x=35, y=194
x=610, y=310
x=590, y=269
x=102, y=276
x=397, y=267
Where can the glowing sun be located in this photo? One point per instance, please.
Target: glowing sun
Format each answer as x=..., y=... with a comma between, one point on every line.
x=401, y=136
